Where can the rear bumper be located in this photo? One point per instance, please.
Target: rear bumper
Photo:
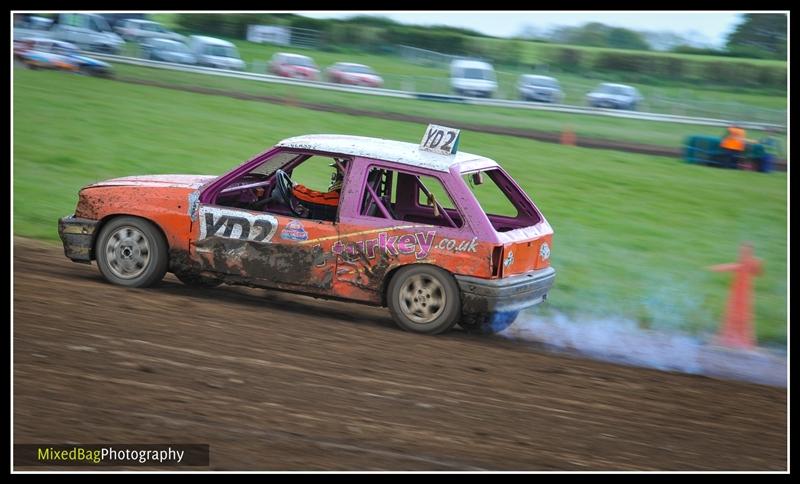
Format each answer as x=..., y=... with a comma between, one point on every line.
x=507, y=294
x=77, y=235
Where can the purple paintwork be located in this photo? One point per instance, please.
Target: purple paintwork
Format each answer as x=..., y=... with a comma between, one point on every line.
x=474, y=221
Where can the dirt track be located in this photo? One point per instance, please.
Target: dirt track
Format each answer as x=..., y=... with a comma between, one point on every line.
x=281, y=382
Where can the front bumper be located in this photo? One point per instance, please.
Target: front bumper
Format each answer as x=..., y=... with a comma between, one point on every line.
x=77, y=235
x=508, y=294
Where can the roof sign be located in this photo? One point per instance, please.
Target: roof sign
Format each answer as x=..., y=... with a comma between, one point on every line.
x=440, y=139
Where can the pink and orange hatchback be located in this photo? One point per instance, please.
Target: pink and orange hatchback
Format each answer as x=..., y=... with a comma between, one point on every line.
x=409, y=231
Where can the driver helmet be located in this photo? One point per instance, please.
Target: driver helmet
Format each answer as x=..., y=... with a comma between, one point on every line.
x=337, y=176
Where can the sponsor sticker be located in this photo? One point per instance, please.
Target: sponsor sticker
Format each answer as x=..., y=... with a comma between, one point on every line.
x=294, y=230
x=236, y=224
x=418, y=243
x=452, y=245
x=544, y=251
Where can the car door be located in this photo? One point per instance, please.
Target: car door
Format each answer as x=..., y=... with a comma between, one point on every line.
x=382, y=227
x=268, y=248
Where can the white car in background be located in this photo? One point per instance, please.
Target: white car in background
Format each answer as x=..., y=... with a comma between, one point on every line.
x=614, y=96
x=138, y=30
x=218, y=53
x=167, y=50
x=540, y=89
x=473, y=78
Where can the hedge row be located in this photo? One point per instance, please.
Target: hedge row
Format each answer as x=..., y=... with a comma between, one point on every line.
x=734, y=73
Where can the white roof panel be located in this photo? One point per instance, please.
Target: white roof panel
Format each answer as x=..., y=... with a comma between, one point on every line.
x=378, y=149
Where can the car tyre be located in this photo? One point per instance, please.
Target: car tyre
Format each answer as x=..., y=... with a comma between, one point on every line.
x=132, y=252
x=424, y=299
x=488, y=323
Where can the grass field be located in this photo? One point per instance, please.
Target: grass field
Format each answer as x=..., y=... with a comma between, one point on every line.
x=618, y=129
x=634, y=234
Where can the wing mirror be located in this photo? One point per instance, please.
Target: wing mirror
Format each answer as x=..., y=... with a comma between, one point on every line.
x=477, y=178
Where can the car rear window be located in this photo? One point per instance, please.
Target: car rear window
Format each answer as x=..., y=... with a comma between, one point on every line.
x=504, y=204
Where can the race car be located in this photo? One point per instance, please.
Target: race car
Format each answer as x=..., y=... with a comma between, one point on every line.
x=405, y=230
x=44, y=53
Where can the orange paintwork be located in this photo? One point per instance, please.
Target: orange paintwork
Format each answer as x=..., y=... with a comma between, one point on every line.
x=166, y=207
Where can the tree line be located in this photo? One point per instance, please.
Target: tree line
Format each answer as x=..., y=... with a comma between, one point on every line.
x=761, y=36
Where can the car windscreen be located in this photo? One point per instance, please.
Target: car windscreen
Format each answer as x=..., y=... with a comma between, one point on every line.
x=473, y=73
x=616, y=90
x=539, y=82
x=171, y=46
x=65, y=49
x=357, y=69
x=300, y=61
x=222, y=51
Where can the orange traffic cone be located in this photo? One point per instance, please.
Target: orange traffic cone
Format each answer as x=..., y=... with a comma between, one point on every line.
x=568, y=136
x=737, y=324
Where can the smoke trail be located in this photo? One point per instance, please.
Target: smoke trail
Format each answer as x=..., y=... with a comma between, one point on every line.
x=621, y=340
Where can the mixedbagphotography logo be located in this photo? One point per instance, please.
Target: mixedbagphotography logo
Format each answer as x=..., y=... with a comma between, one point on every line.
x=195, y=455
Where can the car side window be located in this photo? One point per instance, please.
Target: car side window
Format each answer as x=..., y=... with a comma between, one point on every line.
x=407, y=197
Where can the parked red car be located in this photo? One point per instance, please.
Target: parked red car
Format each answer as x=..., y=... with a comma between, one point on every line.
x=354, y=74
x=295, y=66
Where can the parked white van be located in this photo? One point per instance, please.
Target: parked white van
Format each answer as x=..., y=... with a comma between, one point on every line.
x=211, y=52
x=473, y=78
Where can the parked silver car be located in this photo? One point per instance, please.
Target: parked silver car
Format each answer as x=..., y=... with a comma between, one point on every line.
x=614, y=96
x=540, y=89
x=167, y=50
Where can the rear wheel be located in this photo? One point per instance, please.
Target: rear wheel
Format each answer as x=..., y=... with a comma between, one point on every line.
x=131, y=252
x=488, y=323
x=424, y=299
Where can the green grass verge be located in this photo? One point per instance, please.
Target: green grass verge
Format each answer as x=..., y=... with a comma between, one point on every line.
x=617, y=129
x=634, y=234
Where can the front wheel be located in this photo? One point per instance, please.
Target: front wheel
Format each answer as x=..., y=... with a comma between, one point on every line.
x=131, y=252
x=488, y=323
x=424, y=299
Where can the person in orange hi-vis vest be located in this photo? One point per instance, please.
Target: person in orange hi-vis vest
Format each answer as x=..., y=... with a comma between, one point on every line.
x=733, y=145
x=329, y=198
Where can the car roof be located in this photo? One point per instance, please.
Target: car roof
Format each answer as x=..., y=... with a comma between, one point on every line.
x=212, y=40
x=611, y=84
x=350, y=64
x=155, y=40
x=296, y=56
x=378, y=149
x=472, y=64
x=533, y=77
